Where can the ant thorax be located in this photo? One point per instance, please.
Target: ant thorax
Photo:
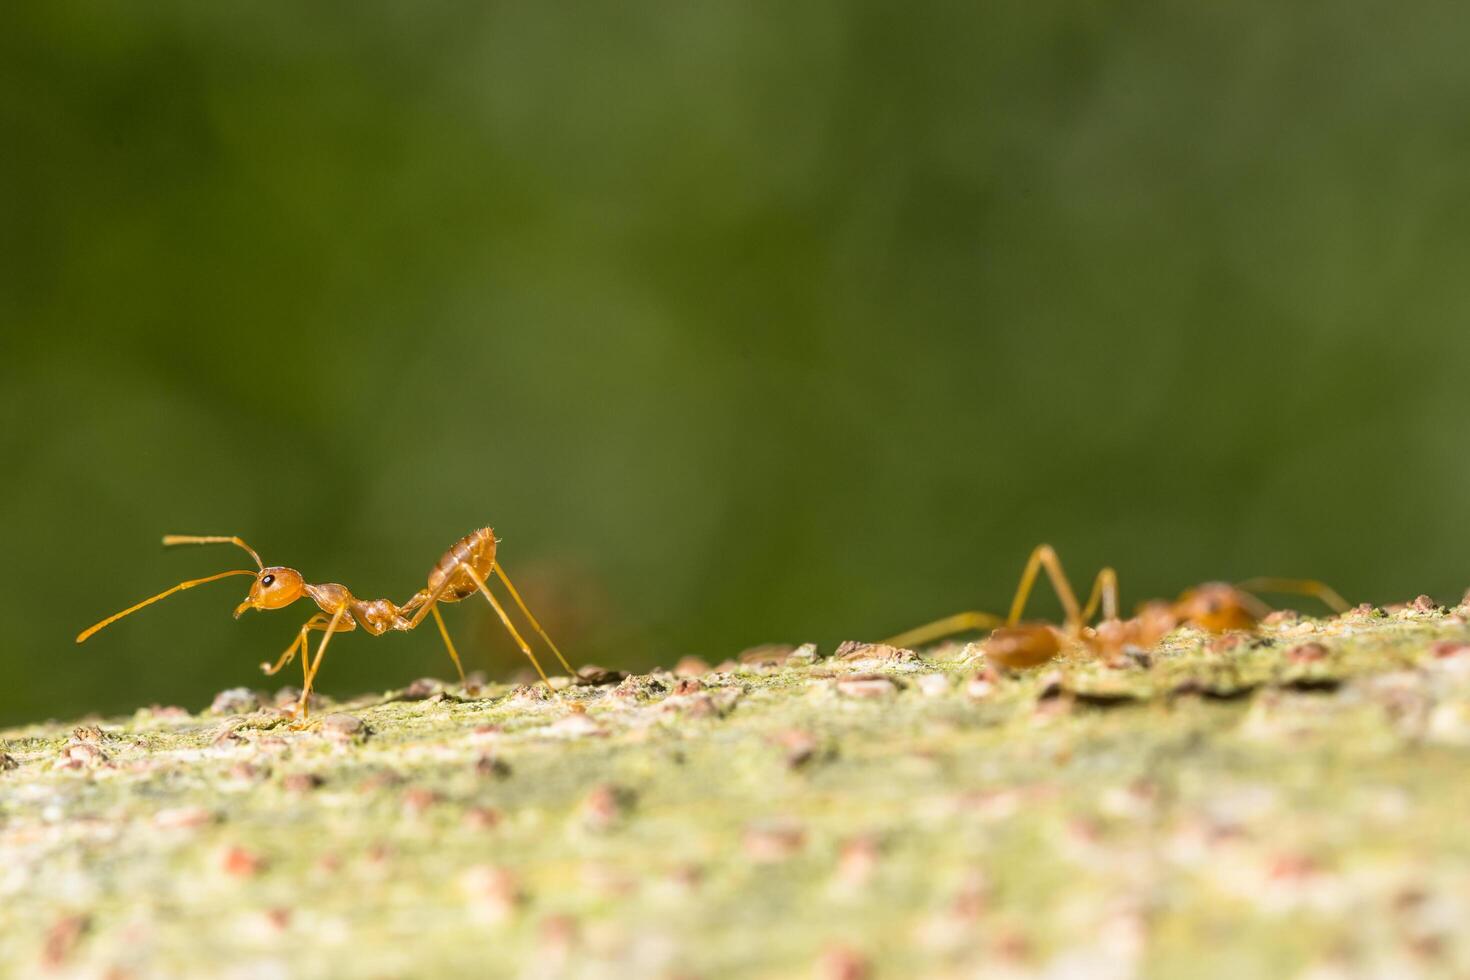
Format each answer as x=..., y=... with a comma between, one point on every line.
x=377, y=616
x=330, y=596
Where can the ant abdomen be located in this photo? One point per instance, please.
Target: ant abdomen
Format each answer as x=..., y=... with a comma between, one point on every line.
x=1216, y=607
x=1022, y=645
x=476, y=550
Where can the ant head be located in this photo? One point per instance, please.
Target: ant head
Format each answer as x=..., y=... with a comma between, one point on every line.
x=1217, y=607
x=274, y=588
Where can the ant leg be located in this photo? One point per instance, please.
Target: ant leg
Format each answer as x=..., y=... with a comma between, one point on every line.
x=415, y=602
x=271, y=669
x=444, y=632
x=535, y=625
x=948, y=626
x=510, y=627
x=301, y=708
x=315, y=622
x=1045, y=556
x=1104, y=591
x=306, y=671
x=327, y=625
x=425, y=601
x=1298, y=586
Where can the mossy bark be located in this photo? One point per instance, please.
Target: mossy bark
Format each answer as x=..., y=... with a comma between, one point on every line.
x=1256, y=809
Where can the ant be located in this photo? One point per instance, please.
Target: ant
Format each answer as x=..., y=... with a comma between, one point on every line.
x=458, y=575
x=1214, y=607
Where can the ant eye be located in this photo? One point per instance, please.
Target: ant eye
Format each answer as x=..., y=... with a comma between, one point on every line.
x=268, y=580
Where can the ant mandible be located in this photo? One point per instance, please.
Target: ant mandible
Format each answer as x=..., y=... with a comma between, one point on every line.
x=1214, y=607
x=461, y=573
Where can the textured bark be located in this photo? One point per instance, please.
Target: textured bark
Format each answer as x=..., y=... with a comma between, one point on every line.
x=1261, y=806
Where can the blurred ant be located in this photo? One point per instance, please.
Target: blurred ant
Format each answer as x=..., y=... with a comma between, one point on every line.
x=458, y=575
x=1214, y=607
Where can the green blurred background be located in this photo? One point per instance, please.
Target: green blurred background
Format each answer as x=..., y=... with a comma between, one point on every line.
x=740, y=323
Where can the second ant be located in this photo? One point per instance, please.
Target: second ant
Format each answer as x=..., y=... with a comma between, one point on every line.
x=1214, y=607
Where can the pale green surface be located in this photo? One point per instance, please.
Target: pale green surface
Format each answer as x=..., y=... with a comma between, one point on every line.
x=1288, y=828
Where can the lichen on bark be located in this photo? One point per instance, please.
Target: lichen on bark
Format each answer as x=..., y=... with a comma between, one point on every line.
x=1287, y=801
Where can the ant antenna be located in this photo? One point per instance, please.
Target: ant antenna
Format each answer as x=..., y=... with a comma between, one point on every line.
x=82, y=636
x=169, y=540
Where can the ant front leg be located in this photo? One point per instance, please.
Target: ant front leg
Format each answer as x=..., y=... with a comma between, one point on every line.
x=309, y=672
x=271, y=669
x=317, y=621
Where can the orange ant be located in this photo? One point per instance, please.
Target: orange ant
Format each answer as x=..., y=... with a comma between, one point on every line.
x=458, y=575
x=1214, y=607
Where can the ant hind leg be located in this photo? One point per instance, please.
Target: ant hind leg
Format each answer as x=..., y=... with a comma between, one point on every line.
x=948, y=626
x=448, y=643
x=534, y=625
x=505, y=621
